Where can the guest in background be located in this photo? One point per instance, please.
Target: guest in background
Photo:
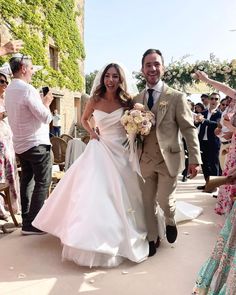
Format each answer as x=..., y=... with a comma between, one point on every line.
x=3, y=87
x=205, y=100
x=29, y=116
x=209, y=142
x=191, y=105
x=56, y=123
x=185, y=171
x=224, y=133
x=223, y=104
x=217, y=275
x=8, y=168
x=199, y=108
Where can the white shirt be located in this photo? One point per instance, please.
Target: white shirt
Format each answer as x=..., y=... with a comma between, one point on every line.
x=56, y=120
x=28, y=117
x=158, y=88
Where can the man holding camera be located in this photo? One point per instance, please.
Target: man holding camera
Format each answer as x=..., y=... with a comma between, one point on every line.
x=29, y=117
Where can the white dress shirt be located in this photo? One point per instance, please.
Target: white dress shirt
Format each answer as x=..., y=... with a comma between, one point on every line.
x=158, y=88
x=28, y=117
x=56, y=120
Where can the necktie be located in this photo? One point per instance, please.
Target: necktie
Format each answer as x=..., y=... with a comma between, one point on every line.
x=150, y=98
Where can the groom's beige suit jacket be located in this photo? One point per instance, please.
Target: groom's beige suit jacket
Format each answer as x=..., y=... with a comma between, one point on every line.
x=173, y=121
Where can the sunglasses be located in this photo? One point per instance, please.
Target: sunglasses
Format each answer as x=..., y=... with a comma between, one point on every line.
x=224, y=105
x=214, y=98
x=3, y=82
x=24, y=57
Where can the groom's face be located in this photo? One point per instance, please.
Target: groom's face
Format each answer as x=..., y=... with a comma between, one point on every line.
x=153, y=68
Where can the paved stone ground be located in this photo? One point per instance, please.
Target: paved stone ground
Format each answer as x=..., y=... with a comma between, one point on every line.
x=32, y=264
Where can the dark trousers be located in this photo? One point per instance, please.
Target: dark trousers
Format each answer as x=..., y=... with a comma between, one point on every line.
x=56, y=130
x=36, y=173
x=210, y=159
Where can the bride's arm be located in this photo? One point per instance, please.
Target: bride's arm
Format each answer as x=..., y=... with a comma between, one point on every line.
x=217, y=85
x=89, y=108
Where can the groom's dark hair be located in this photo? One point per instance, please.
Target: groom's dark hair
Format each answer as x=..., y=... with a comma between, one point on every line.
x=149, y=51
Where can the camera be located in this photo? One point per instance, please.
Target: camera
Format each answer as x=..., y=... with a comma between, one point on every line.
x=45, y=90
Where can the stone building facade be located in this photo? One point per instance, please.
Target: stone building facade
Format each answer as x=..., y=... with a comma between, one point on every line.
x=68, y=103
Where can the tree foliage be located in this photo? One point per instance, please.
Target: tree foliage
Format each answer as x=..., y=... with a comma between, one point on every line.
x=89, y=78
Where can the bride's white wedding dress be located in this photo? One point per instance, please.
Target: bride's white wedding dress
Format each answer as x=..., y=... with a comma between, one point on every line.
x=96, y=209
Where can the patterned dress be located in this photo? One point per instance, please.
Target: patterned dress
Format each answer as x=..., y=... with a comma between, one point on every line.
x=218, y=275
x=228, y=191
x=8, y=169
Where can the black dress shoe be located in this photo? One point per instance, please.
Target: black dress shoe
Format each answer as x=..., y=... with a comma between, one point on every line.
x=201, y=187
x=171, y=233
x=152, y=249
x=158, y=242
x=184, y=179
x=210, y=191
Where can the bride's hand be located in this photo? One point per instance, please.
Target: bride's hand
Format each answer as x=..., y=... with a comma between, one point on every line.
x=94, y=135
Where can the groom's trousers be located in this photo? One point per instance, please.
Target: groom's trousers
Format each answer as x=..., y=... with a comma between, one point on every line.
x=159, y=187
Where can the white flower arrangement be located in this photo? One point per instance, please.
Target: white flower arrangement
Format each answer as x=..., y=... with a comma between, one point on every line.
x=181, y=73
x=138, y=121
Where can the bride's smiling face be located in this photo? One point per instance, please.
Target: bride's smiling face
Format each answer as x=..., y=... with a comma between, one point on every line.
x=112, y=80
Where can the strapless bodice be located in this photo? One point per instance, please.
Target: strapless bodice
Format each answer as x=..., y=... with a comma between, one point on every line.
x=109, y=124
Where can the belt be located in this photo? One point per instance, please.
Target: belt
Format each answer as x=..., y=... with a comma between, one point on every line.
x=226, y=142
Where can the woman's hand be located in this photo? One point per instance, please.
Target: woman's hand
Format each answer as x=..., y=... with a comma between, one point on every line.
x=94, y=135
x=202, y=76
x=227, y=124
x=227, y=135
x=11, y=47
x=232, y=175
x=217, y=131
x=199, y=118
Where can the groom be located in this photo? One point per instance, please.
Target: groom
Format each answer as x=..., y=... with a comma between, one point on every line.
x=162, y=156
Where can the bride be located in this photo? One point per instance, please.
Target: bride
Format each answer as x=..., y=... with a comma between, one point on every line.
x=96, y=209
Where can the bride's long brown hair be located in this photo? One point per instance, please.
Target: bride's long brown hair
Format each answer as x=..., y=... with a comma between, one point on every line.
x=125, y=98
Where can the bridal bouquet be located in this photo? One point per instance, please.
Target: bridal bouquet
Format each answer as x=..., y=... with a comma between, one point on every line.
x=137, y=122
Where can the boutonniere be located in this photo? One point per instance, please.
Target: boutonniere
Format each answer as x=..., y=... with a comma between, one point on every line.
x=163, y=106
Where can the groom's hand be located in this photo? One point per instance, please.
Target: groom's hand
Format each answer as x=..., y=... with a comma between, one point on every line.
x=193, y=170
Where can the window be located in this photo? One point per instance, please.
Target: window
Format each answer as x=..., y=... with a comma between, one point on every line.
x=53, y=54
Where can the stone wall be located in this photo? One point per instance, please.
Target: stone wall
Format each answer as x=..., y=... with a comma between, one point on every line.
x=67, y=102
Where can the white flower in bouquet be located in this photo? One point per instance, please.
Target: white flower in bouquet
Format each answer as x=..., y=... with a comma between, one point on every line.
x=138, y=121
x=139, y=107
x=135, y=113
x=138, y=118
x=131, y=128
x=130, y=119
x=146, y=127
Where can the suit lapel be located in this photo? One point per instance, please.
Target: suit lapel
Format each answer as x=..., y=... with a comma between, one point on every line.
x=162, y=104
x=141, y=99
